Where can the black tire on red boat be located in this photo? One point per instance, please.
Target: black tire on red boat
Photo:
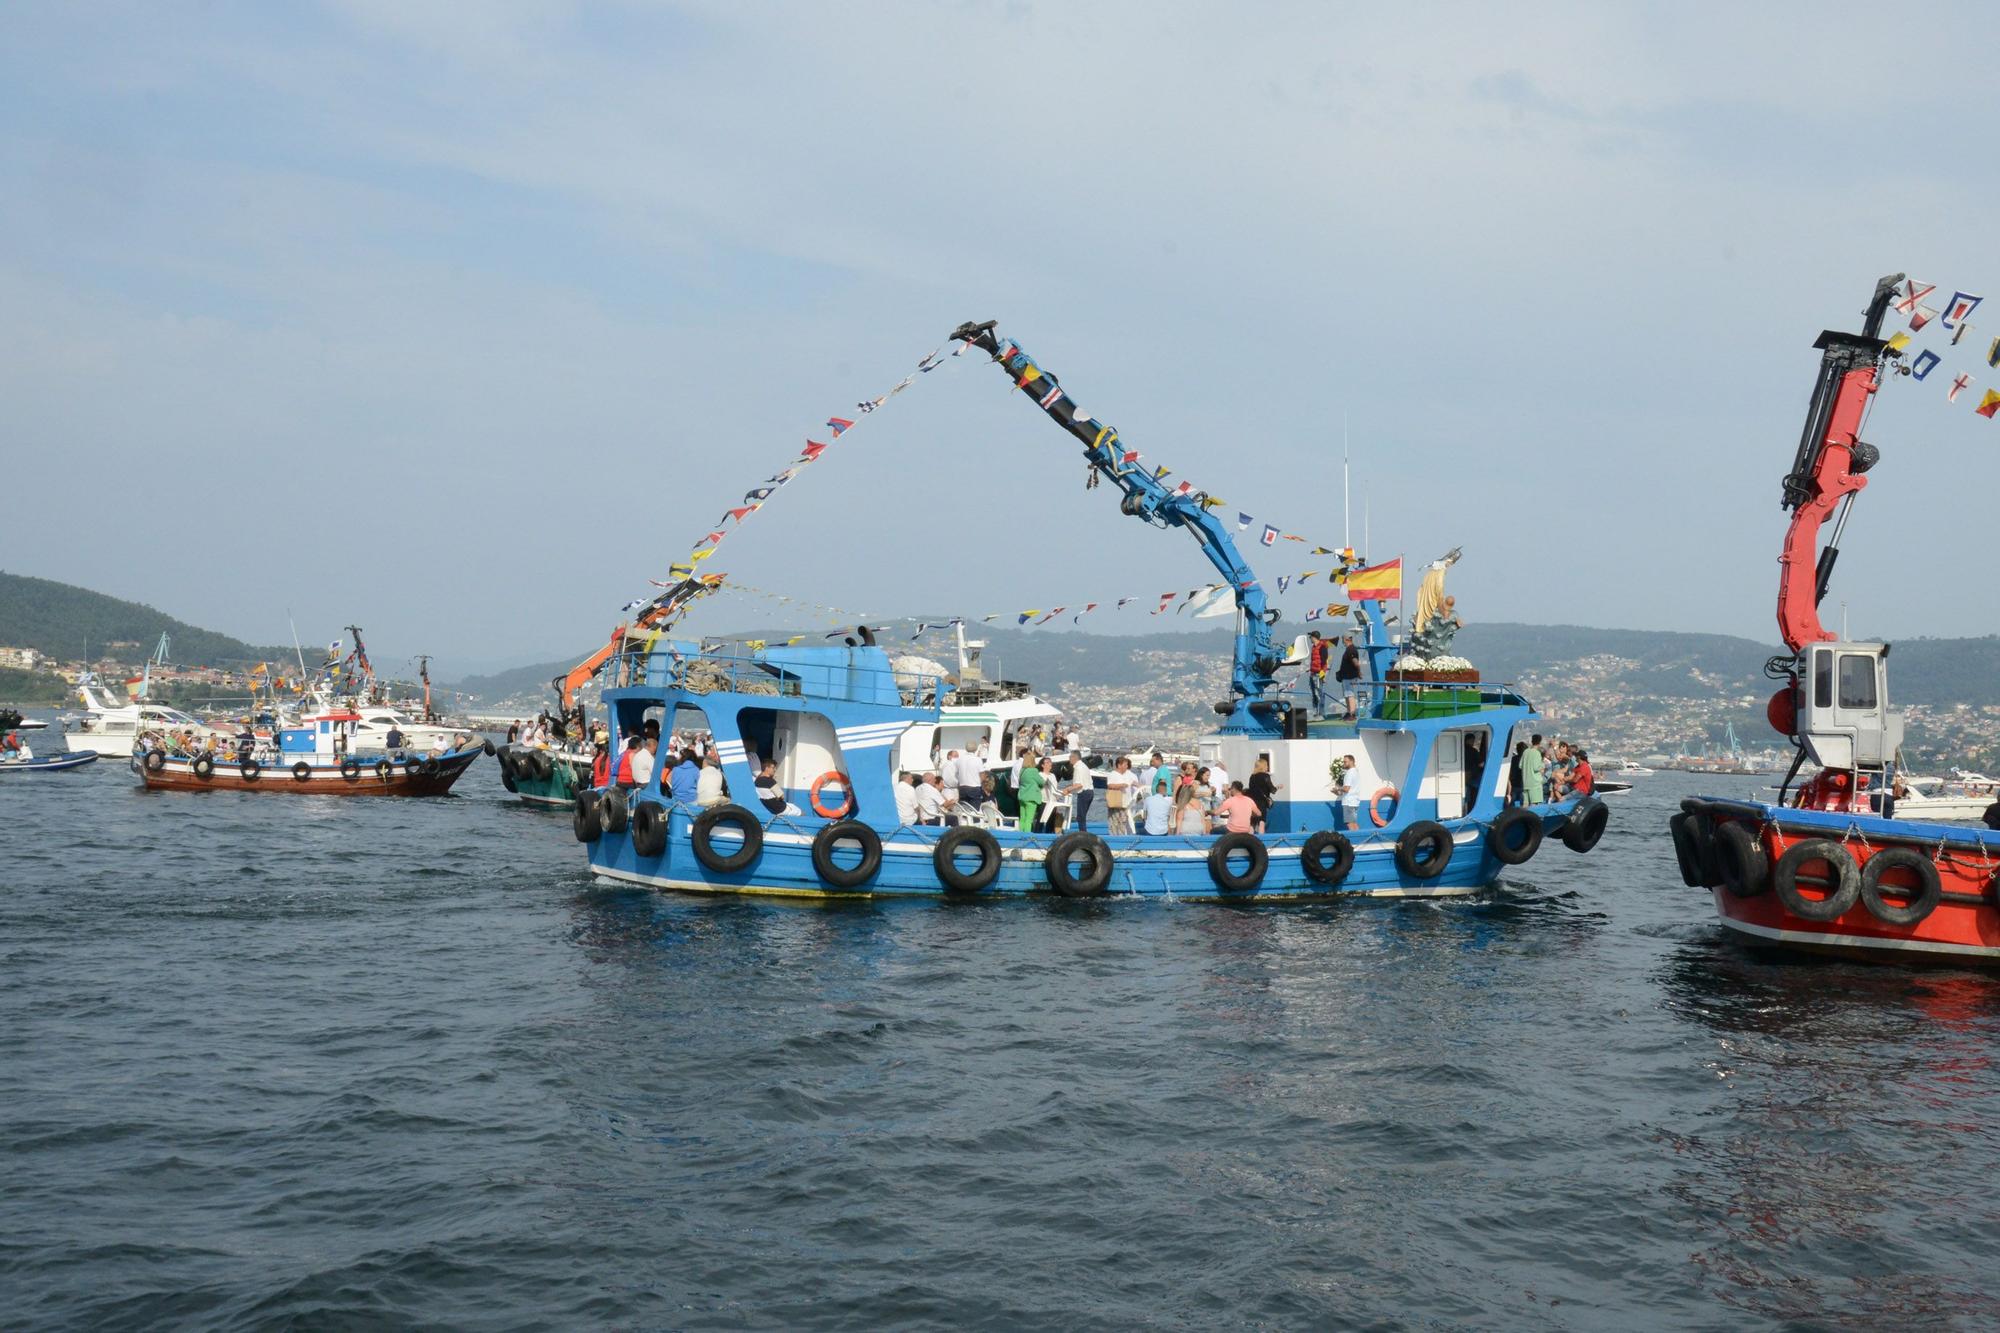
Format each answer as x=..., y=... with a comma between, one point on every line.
x=1586, y=824
x=583, y=818
x=1686, y=852
x=702, y=838
x=1424, y=849
x=944, y=859
x=203, y=766
x=1250, y=877
x=249, y=768
x=846, y=830
x=155, y=760
x=1922, y=898
x=1840, y=893
x=384, y=770
x=350, y=768
x=302, y=771
x=431, y=766
x=1061, y=874
x=1499, y=838
x=1743, y=864
x=1312, y=857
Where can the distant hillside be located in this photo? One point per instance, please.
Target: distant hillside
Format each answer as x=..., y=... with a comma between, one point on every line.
x=58, y=619
x=1668, y=664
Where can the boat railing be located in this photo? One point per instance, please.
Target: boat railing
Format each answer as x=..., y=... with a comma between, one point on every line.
x=1403, y=700
x=713, y=673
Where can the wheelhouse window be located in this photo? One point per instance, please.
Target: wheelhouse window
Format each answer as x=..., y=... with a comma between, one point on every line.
x=1822, y=679
x=1857, y=681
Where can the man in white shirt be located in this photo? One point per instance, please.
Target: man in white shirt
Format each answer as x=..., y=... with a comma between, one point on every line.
x=966, y=779
x=642, y=762
x=1080, y=787
x=930, y=800
x=1218, y=777
x=906, y=800
x=708, y=785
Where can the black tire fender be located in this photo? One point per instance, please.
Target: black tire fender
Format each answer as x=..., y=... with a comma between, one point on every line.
x=1499, y=838
x=384, y=770
x=744, y=856
x=944, y=859
x=507, y=766
x=413, y=765
x=1921, y=903
x=583, y=818
x=350, y=768
x=1687, y=853
x=846, y=830
x=1313, y=857
x=486, y=747
x=431, y=767
x=1586, y=824
x=1741, y=861
x=1252, y=876
x=1058, y=870
x=155, y=760
x=302, y=771
x=203, y=766
x=1424, y=849
x=613, y=813
x=250, y=768
x=649, y=828
x=1840, y=894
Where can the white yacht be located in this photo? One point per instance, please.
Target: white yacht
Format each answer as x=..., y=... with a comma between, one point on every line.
x=110, y=727
x=1963, y=796
x=998, y=714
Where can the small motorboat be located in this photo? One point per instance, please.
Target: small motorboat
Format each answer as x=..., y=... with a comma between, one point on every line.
x=53, y=763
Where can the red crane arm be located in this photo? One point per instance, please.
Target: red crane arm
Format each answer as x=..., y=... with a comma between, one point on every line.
x=1827, y=472
x=1834, y=478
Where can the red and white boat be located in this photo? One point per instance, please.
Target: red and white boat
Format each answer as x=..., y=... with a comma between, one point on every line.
x=321, y=756
x=1820, y=869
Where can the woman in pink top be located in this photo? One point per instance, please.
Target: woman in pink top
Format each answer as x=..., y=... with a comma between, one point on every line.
x=1238, y=812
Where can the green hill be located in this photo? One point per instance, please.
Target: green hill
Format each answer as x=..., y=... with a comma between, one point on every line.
x=59, y=619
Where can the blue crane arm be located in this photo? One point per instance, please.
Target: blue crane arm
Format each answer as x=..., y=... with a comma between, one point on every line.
x=1254, y=663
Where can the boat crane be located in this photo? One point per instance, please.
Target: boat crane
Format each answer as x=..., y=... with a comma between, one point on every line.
x=1254, y=661
x=1849, y=731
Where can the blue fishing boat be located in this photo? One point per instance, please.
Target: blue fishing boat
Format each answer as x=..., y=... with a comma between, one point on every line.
x=1428, y=751
x=25, y=760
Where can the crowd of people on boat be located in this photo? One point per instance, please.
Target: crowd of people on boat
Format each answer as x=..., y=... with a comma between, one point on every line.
x=1544, y=769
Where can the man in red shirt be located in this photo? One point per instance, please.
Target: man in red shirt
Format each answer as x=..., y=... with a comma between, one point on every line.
x=1316, y=664
x=1582, y=780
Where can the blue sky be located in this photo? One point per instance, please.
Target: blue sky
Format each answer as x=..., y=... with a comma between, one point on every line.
x=464, y=321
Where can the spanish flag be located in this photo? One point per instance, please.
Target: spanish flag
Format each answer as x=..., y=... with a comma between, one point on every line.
x=1379, y=583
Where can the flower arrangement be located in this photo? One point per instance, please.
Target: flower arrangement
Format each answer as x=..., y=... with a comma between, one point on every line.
x=1443, y=669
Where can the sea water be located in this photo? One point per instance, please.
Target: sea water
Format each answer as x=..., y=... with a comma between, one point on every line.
x=318, y=1061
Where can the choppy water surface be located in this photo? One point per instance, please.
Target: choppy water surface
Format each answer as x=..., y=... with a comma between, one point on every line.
x=269, y=1059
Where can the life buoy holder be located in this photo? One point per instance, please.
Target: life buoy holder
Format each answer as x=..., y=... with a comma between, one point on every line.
x=1375, y=804
x=846, y=807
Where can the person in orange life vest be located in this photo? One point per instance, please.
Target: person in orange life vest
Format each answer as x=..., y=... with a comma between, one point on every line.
x=600, y=766
x=1316, y=663
x=632, y=744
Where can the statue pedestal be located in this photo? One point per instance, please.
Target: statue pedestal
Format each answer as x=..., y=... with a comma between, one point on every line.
x=1427, y=676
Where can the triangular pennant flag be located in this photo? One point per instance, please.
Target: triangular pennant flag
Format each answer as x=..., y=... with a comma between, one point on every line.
x=902, y=384
x=839, y=426
x=1160, y=473
x=1024, y=617
x=1243, y=522
x=870, y=404
x=1921, y=316
x=1284, y=582
x=738, y=514
x=1122, y=601
x=1959, y=332
x=712, y=539
x=928, y=364
x=1321, y=550
x=1290, y=538
x=813, y=451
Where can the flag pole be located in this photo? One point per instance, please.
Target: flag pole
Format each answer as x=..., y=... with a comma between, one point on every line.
x=1346, y=510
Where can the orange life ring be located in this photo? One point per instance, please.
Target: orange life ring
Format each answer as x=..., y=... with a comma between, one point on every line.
x=846, y=806
x=1375, y=805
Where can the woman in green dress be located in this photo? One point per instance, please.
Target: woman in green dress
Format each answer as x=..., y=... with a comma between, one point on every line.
x=1033, y=782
